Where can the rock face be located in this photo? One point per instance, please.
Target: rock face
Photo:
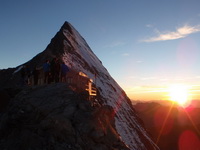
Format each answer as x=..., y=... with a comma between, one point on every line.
x=54, y=117
x=70, y=47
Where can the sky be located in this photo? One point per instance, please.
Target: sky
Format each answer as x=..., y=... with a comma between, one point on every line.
x=147, y=46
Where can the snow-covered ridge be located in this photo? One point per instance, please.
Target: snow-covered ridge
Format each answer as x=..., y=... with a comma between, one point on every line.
x=83, y=59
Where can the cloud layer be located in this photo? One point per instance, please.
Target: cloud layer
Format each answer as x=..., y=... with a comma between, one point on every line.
x=180, y=32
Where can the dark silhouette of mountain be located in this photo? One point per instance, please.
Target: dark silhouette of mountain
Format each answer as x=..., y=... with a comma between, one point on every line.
x=54, y=117
x=44, y=107
x=171, y=127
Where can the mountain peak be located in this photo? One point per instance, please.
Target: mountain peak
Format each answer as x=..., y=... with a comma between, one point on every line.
x=71, y=48
x=67, y=26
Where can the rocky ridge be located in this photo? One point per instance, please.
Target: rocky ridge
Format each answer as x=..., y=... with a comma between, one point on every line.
x=69, y=46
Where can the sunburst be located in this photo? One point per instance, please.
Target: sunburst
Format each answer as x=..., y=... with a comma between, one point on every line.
x=178, y=93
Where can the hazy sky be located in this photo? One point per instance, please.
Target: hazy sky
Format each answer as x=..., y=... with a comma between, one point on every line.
x=146, y=45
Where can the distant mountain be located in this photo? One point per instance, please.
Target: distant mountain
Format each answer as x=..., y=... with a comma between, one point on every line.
x=194, y=103
x=69, y=46
x=171, y=126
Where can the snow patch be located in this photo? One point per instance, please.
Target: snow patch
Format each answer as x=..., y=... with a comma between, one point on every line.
x=18, y=69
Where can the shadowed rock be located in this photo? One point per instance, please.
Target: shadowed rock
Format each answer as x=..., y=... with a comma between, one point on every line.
x=54, y=117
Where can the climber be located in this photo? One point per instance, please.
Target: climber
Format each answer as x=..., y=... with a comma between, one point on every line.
x=46, y=69
x=64, y=70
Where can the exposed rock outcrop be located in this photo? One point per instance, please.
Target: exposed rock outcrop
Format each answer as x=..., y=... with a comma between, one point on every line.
x=54, y=117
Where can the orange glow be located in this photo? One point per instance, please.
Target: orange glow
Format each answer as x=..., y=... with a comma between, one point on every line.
x=179, y=94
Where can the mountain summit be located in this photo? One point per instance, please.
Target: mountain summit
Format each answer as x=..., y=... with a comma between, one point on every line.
x=70, y=47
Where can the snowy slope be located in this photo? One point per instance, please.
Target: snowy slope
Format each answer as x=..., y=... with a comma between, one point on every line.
x=79, y=56
x=75, y=52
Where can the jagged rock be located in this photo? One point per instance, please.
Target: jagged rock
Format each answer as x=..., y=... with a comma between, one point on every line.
x=37, y=118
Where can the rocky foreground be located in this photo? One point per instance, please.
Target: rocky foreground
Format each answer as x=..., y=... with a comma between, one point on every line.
x=53, y=117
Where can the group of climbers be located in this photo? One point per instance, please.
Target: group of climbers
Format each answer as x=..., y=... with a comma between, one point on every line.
x=50, y=71
x=53, y=71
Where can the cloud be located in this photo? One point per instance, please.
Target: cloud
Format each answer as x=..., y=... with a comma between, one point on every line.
x=180, y=32
x=145, y=89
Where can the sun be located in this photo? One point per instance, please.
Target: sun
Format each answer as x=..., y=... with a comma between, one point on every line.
x=179, y=94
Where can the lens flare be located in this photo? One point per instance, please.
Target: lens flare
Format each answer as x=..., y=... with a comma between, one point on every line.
x=188, y=140
x=179, y=94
